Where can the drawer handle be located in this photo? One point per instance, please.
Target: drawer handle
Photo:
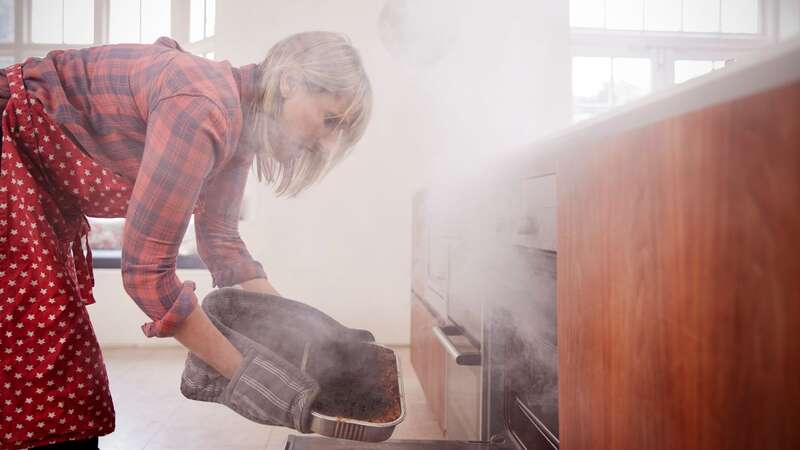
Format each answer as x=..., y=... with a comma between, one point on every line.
x=461, y=358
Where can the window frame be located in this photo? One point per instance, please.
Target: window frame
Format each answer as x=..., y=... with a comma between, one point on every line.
x=206, y=36
x=663, y=48
x=22, y=47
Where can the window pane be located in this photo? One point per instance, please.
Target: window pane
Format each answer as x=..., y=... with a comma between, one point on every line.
x=740, y=16
x=6, y=20
x=105, y=237
x=189, y=242
x=196, y=20
x=686, y=70
x=6, y=61
x=701, y=15
x=123, y=26
x=662, y=15
x=78, y=21
x=591, y=81
x=106, y=234
x=790, y=18
x=211, y=17
x=156, y=18
x=586, y=13
x=632, y=79
x=624, y=14
x=47, y=21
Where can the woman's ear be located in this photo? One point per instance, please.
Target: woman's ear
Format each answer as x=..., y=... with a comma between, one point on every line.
x=288, y=84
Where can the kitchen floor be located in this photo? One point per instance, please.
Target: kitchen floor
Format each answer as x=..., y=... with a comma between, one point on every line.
x=153, y=415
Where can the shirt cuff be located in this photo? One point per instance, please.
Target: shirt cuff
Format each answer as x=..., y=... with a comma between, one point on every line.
x=237, y=272
x=183, y=306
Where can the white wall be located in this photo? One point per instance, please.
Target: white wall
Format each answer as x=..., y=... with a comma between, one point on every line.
x=345, y=245
x=789, y=18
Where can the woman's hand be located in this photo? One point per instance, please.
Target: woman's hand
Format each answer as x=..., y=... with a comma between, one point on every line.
x=274, y=334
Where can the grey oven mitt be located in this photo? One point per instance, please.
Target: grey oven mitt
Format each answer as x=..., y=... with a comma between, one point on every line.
x=274, y=335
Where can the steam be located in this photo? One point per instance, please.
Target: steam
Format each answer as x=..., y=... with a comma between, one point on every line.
x=523, y=319
x=491, y=77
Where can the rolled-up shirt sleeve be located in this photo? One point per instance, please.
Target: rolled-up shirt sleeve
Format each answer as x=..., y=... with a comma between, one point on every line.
x=217, y=228
x=185, y=136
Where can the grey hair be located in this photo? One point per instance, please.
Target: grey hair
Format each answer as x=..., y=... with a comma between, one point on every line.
x=326, y=62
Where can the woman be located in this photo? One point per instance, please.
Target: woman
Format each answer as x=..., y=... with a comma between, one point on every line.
x=152, y=134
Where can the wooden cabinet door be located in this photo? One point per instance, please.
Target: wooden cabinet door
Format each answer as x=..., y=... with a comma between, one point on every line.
x=679, y=282
x=427, y=358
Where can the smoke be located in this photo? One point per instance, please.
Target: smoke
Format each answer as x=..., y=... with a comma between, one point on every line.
x=522, y=320
x=419, y=32
x=357, y=379
x=494, y=76
x=513, y=289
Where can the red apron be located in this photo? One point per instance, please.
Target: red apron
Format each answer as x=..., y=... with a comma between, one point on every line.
x=53, y=382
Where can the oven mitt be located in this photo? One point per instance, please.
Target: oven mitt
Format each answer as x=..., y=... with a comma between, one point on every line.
x=266, y=389
x=252, y=314
x=273, y=334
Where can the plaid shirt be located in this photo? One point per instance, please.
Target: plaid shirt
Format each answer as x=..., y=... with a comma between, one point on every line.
x=170, y=123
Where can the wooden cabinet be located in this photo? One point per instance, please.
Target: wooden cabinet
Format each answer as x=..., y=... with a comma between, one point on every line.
x=679, y=282
x=428, y=357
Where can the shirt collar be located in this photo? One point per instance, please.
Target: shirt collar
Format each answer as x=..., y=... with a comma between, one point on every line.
x=246, y=79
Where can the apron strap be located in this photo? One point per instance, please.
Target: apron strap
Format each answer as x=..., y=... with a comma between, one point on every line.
x=78, y=223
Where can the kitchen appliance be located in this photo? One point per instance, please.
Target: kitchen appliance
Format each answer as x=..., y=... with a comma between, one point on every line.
x=496, y=274
x=304, y=443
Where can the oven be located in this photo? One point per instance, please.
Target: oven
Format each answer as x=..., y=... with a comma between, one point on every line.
x=491, y=264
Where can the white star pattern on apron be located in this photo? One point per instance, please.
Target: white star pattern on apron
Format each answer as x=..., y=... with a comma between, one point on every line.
x=53, y=382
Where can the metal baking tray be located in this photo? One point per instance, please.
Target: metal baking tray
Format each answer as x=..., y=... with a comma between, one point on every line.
x=359, y=430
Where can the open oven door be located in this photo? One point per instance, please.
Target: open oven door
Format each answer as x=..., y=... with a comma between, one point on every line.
x=321, y=443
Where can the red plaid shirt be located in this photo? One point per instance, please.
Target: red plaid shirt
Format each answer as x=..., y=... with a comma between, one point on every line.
x=170, y=123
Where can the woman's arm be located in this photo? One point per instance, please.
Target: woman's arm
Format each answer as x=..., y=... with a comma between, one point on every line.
x=260, y=285
x=181, y=147
x=202, y=338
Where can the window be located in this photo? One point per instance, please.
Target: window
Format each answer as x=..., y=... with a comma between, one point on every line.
x=625, y=49
x=105, y=239
x=39, y=26
x=62, y=21
x=713, y=16
x=599, y=83
x=62, y=24
x=685, y=70
x=6, y=20
x=202, y=19
x=789, y=17
x=138, y=21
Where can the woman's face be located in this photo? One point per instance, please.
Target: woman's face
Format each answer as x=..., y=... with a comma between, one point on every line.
x=307, y=122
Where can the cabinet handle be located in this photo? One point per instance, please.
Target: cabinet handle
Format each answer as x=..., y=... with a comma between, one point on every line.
x=461, y=358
